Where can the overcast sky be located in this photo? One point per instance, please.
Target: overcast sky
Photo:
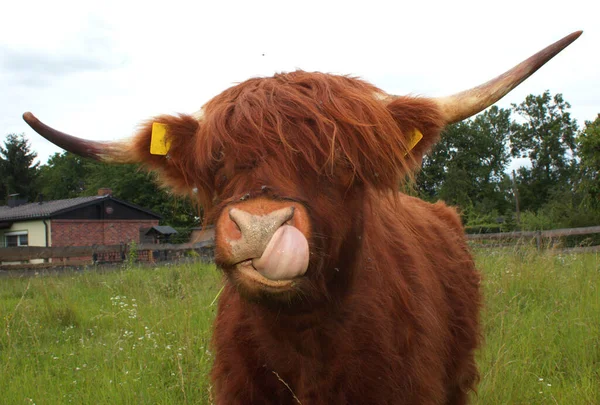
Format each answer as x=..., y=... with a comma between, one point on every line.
x=96, y=69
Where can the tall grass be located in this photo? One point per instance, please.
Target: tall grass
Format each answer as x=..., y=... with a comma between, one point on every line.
x=142, y=335
x=128, y=337
x=542, y=329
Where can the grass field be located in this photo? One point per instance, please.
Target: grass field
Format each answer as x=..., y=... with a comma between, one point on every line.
x=141, y=336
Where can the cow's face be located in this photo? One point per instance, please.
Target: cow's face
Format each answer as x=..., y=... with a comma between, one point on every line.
x=282, y=165
x=279, y=239
x=288, y=184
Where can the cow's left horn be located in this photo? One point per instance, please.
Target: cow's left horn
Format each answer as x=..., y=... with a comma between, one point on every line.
x=465, y=104
x=113, y=152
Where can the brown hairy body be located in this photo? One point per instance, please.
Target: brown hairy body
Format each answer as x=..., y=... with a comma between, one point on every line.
x=403, y=331
x=387, y=311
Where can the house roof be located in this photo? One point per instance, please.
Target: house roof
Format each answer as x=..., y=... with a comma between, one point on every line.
x=163, y=230
x=46, y=209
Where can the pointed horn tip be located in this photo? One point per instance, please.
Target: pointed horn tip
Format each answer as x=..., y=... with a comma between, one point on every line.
x=29, y=117
x=569, y=39
x=576, y=34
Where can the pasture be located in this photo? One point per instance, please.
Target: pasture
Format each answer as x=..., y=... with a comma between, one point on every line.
x=142, y=335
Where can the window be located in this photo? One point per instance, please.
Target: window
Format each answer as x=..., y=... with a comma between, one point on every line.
x=15, y=239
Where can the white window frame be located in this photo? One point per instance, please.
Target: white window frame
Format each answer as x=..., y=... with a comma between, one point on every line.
x=16, y=233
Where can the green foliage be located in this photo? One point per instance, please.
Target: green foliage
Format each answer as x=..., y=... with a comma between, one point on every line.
x=537, y=221
x=132, y=254
x=18, y=173
x=63, y=176
x=588, y=143
x=491, y=222
x=466, y=168
x=564, y=210
x=547, y=137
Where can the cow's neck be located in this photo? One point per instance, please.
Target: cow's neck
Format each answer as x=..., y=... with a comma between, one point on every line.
x=309, y=322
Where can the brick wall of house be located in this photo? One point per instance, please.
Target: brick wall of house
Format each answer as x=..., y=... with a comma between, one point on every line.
x=96, y=232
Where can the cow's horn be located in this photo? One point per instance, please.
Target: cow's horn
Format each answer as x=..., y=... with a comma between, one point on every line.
x=113, y=152
x=467, y=103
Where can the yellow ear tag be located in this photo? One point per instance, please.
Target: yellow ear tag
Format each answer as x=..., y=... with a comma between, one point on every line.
x=416, y=138
x=159, y=144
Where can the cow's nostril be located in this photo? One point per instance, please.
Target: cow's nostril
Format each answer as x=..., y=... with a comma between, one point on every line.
x=290, y=219
x=234, y=220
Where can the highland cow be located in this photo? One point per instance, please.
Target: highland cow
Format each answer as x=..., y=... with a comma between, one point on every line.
x=338, y=288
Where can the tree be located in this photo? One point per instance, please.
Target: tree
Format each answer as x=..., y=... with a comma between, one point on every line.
x=547, y=137
x=466, y=168
x=588, y=143
x=430, y=179
x=18, y=173
x=63, y=176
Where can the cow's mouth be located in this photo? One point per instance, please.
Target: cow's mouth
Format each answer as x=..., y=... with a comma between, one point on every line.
x=284, y=259
x=249, y=274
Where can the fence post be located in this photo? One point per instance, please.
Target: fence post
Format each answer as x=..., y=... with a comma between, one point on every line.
x=538, y=240
x=516, y=193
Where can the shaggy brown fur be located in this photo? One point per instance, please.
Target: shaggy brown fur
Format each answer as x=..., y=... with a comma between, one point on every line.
x=387, y=312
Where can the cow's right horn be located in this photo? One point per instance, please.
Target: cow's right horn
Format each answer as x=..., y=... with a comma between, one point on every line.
x=109, y=152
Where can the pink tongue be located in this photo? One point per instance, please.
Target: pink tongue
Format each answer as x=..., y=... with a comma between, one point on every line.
x=286, y=255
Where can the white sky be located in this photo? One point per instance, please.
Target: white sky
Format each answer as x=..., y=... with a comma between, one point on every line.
x=96, y=69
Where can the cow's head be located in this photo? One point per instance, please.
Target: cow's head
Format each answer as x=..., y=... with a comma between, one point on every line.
x=281, y=166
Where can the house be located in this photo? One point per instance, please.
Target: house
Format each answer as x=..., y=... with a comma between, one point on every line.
x=82, y=221
x=157, y=234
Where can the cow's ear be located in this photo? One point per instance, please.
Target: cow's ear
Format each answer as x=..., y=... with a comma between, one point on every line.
x=420, y=121
x=166, y=144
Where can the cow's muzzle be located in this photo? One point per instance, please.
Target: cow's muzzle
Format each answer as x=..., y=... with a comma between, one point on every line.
x=266, y=246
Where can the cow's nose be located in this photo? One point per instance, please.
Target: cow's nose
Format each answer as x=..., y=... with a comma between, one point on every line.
x=250, y=233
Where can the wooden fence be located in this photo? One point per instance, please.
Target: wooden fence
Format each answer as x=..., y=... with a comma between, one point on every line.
x=554, y=238
x=19, y=257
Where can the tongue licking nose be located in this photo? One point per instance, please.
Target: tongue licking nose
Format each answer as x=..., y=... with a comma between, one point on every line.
x=286, y=255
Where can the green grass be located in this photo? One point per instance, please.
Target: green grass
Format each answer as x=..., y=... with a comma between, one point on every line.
x=542, y=329
x=142, y=335
x=138, y=336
